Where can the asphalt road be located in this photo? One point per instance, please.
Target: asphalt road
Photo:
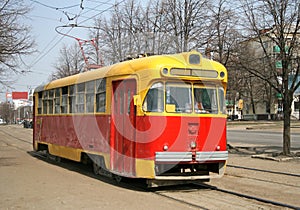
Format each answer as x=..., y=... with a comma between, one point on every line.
x=261, y=138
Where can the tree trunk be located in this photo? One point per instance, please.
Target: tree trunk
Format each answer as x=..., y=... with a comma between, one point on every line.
x=287, y=124
x=251, y=96
x=286, y=134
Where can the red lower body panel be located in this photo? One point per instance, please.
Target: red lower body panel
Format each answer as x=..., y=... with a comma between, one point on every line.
x=186, y=140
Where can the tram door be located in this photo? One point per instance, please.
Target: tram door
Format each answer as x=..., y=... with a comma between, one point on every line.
x=123, y=127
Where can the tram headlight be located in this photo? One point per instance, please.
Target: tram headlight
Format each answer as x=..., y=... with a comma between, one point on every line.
x=165, y=71
x=165, y=147
x=193, y=145
x=218, y=148
x=222, y=74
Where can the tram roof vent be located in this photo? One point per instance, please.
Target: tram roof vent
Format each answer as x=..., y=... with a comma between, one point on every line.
x=194, y=58
x=137, y=56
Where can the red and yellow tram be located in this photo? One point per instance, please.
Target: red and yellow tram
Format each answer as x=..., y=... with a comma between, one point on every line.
x=161, y=118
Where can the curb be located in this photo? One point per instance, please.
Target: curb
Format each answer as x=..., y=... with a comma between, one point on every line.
x=278, y=158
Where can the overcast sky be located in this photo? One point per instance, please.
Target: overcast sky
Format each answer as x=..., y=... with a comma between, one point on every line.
x=44, y=17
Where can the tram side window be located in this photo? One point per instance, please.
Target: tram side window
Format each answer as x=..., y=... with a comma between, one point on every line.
x=205, y=100
x=178, y=97
x=45, y=102
x=222, y=100
x=154, y=101
x=50, y=101
x=90, y=95
x=80, y=92
x=40, y=102
x=64, y=100
x=100, y=95
x=57, y=101
x=72, y=99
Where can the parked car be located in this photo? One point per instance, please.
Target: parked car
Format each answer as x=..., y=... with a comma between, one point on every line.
x=27, y=124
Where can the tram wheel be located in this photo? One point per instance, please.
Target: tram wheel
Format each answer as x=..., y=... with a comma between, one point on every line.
x=48, y=156
x=57, y=159
x=96, y=168
x=117, y=178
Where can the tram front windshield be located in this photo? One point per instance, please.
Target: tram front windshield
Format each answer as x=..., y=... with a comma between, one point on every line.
x=187, y=98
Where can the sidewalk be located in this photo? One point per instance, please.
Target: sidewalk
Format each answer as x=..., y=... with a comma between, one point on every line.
x=263, y=125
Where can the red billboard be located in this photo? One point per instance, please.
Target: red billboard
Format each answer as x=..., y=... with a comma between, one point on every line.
x=19, y=95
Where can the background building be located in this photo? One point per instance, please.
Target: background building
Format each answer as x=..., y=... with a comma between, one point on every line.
x=255, y=98
x=17, y=108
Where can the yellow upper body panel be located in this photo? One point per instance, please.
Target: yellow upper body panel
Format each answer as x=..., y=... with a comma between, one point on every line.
x=146, y=68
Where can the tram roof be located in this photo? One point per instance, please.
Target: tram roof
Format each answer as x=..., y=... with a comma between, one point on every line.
x=133, y=66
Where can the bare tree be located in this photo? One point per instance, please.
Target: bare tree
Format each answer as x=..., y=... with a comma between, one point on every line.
x=222, y=44
x=6, y=112
x=15, y=39
x=187, y=22
x=111, y=36
x=70, y=62
x=165, y=26
x=276, y=23
x=125, y=33
x=154, y=38
x=225, y=35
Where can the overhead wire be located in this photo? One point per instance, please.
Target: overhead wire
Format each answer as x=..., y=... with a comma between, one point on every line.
x=76, y=16
x=55, y=8
x=42, y=17
x=82, y=41
x=49, y=50
x=67, y=14
x=41, y=56
x=96, y=1
x=114, y=5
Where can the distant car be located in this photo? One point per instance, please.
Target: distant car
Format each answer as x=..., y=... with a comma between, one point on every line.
x=2, y=122
x=27, y=123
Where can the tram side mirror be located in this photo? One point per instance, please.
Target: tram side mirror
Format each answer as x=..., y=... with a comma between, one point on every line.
x=137, y=101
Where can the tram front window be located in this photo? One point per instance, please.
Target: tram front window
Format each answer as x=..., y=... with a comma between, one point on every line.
x=205, y=99
x=179, y=97
x=186, y=98
x=222, y=100
x=154, y=101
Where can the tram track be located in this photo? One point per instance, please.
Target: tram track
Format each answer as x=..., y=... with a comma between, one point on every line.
x=14, y=138
x=133, y=184
x=242, y=195
x=202, y=189
x=263, y=180
x=263, y=170
x=272, y=177
x=185, y=194
x=202, y=198
x=180, y=200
